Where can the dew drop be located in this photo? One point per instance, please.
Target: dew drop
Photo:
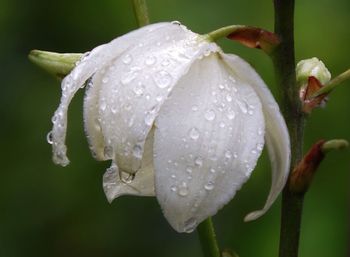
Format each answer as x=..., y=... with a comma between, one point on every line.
x=139, y=89
x=228, y=98
x=190, y=225
x=49, y=138
x=127, y=59
x=232, y=79
x=235, y=155
x=221, y=125
x=182, y=189
x=221, y=86
x=108, y=152
x=189, y=170
x=209, y=115
x=173, y=188
x=163, y=79
x=228, y=154
x=176, y=23
x=126, y=177
x=209, y=186
x=250, y=112
x=260, y=146
x=137, y=151
x=194, y=133
x=198, y=161
x=231, y=114
x=165, y=62
x=212, y=170
x=103, y=106
x=105, y=79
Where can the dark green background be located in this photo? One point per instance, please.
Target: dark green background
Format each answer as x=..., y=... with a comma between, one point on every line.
x=46, y=210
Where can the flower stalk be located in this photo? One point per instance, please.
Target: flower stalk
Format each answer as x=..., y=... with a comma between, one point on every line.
x=56, y=64
x=207, y=239
x=332, y=84
x=141, y=12
x=284, y=64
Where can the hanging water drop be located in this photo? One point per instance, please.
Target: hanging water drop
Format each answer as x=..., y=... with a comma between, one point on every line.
x=198, y=161
x=183, y=189
x=49, y=138
x=150, y=60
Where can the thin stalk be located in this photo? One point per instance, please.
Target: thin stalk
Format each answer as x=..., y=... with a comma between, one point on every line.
x=333, y=83
x=284, y=64
x=141, y=12
x=207, y=239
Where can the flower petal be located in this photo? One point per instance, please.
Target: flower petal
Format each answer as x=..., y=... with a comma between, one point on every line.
x=88, y=65
x=209, y=135
x=143, y=182
x=92, y=124
x=277, y=137
x=137, y=84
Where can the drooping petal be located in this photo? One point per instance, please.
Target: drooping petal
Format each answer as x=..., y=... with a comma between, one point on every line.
x=209, y=135
x=116, y=183
x=89, y=64
x=277, y=137
x=92, y=124
x=137, y=84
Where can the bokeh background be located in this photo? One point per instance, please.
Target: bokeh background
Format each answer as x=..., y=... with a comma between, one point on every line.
x=46, y=210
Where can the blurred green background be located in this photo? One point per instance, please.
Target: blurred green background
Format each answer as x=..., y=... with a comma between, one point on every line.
x=46, y=210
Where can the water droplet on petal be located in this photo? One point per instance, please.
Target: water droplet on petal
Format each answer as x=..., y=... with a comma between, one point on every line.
x=126, y=177
x=209, y=115
x=49, y=138
x=105, y=79
x=108, y=152
x=127, y=59
x=137, y=151
x=189, y=170
x=209, y=186
x=194, y=133
x=139, y=89
x=260, y=146
x=198, y=161
x=212, y=170
x=163, y=79
x=173, y=188
x=221, y=125
x=231, y=114
x=176, y=23
x=228, y=98
x=182, y=189
x=190, y=225
x=228, y=154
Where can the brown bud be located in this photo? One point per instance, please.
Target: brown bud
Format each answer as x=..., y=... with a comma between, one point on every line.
x=255, y=38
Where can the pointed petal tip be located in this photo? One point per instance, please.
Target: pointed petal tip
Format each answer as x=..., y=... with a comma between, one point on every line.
x=253, y=216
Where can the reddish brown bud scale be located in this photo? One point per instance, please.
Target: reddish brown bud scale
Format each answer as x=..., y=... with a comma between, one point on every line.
x=306, y=93
x=253, y=37
x=303, y=173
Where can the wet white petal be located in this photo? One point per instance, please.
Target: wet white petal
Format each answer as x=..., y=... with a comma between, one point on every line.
x=277, y=137
x=90, y=63
x=136, y=85
x=91, y=117
x=207, y=141
x=141, y=185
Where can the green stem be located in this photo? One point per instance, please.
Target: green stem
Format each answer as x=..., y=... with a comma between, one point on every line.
x=223, y=32
x=284, y=64
x=207, y=238
x=141, y=12
x=333, y=83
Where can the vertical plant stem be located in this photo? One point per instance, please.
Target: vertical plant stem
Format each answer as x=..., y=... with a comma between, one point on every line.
x=141, y=12
x=284, y=63
x=207, y=238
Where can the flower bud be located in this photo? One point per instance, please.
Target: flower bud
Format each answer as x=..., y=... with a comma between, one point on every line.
x=312, y=67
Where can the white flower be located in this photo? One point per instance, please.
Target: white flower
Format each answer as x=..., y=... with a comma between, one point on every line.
x=179, y=119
